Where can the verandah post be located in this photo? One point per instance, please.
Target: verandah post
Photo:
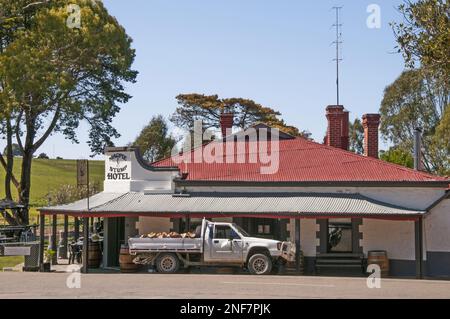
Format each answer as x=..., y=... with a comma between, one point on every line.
x=54, y=242
x=418, y=231
x=65, y=237
x=85, y=245
x=297, y=246
x=188, y=223
x=76, y=232
x=41, y=240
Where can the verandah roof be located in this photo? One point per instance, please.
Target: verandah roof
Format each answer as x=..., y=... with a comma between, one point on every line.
x=270, y=205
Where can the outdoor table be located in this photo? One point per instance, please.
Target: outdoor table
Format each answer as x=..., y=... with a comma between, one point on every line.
x=79, y=246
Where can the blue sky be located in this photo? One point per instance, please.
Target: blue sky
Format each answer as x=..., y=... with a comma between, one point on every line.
x=277, y=53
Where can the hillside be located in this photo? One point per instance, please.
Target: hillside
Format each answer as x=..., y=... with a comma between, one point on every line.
x=48, y=175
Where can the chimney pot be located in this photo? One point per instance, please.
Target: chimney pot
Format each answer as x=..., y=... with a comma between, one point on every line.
x=371, y=123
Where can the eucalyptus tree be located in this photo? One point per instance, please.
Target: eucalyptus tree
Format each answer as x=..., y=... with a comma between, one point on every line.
x=208, y=109
x=57, y=73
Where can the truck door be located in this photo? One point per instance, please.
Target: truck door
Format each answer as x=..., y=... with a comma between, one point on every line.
x=226, y=245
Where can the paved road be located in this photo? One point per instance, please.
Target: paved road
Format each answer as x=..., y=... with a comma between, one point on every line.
x=41, y=285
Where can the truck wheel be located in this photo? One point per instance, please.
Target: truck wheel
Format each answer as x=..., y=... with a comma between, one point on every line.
x=167, y=263
x=260, y=264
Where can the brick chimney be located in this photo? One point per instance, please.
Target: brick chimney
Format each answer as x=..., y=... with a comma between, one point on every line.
x=371, y=122
x=338, y=130
x=226, y=123
x=345, y=130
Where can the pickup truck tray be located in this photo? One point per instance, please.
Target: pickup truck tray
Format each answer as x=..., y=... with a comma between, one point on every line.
x=165, y=245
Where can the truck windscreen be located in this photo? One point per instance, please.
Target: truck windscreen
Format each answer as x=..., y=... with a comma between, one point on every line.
x=241, y=231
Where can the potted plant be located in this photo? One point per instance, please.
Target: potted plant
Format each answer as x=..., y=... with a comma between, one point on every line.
x=95, y=237
x=48, y=257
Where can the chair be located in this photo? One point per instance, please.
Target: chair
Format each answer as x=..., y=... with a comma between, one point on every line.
x=75, y=253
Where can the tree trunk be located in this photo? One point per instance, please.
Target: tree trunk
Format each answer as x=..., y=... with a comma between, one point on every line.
x=10, y=219
x=25, y=185
x=9, y=160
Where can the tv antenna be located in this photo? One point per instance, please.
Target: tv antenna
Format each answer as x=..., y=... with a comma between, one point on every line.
x=337, y=43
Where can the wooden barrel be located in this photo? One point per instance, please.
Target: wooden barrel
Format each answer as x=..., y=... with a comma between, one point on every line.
x=126, y=261
x=380, y=258
x=94, y=254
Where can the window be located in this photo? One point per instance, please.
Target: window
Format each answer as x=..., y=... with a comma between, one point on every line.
x=264, y=229
x=224, y=232
x=339, y=235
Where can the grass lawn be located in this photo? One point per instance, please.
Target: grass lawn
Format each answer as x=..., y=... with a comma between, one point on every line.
x=10, y=261
x=49, y=175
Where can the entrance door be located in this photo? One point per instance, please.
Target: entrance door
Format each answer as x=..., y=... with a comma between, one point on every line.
x=340, y=235
x=114, y=233
x=226, y=244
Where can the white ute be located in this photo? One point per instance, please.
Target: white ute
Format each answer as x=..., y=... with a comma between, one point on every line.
x=215, y=244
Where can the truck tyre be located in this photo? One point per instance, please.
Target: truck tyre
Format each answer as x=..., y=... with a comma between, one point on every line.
x=167, y=263
x=260, y=264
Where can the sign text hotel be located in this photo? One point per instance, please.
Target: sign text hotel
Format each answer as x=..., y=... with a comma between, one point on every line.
x=118, y=169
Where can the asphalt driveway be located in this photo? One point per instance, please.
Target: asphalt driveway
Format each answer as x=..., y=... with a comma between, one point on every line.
x=54, y=285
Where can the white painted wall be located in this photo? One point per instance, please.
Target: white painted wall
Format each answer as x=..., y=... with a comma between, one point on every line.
x=308, y=242
x=130, y=227
x=146, y=225
x=437, y=228
x=409, y=197
x=134, y=178
x=396, y=237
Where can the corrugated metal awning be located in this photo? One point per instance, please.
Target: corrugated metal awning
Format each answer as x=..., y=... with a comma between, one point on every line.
x=314, y=205
x=80, y=206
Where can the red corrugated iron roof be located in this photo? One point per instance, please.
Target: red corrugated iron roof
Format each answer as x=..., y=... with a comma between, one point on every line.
x=300, y=160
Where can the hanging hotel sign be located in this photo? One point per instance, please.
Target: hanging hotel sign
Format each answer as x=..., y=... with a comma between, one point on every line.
x=118, y=167
x=82, y=173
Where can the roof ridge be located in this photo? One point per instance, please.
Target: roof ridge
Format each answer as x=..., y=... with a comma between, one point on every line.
x=376, y=160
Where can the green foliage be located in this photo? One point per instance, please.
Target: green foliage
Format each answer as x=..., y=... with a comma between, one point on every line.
x=397, y=156
x=70, y=74
x=416, y=100
x=43, y=156
x=424, y=36
x=70, y=193
x=443, y=132
x=54, y=76
x=356, y=137
x=48, y=255
x=208, y=108
x=154, y=141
